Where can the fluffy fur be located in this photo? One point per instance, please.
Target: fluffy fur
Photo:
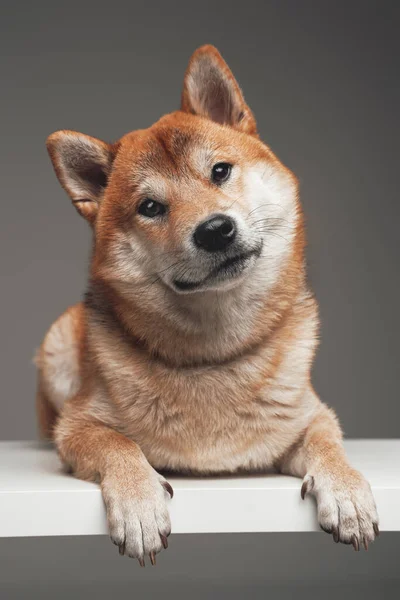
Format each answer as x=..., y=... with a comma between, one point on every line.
x=209, y=377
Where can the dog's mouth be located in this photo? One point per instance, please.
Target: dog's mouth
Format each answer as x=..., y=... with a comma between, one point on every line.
x=230, y=268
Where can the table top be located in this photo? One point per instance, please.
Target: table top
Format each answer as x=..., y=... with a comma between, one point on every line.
x=37, y=498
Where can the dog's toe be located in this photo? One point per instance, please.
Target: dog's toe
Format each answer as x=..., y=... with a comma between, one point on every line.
x=138, y=519
x=346, y=507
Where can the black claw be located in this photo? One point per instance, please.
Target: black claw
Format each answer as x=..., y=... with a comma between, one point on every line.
x=168, y=487
x=152, y=558
x=335, y=532
x=365, y=542
x=304, y=489
x=376, y=529
x=307, y=486
x=355, y=542
x=121, y=549
x=164, y=540
x=141, y=562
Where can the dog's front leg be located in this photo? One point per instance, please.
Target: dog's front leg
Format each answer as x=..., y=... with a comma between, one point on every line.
x=135, y=495
x=346, y=507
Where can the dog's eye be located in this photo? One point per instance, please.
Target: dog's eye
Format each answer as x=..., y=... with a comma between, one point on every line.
x=220, y=172
x=150, y=208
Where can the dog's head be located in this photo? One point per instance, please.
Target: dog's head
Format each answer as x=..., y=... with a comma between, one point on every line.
x=194, y=203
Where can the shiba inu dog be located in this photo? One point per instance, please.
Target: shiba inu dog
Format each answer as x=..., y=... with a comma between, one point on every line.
x=192, y=349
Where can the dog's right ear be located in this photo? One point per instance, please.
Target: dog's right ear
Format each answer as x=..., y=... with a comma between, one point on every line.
x=82, y=165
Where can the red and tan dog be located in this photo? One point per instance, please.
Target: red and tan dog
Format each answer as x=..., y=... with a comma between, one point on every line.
x=192, y=350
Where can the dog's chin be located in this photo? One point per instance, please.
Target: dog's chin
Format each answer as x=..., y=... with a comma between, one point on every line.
x=226, y=276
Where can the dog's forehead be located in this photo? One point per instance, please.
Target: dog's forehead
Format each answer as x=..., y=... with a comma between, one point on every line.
x=167, y=150
x=172, y=150
x=176, y=147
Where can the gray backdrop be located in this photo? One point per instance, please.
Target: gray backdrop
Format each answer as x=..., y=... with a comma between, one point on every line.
x=322, y=79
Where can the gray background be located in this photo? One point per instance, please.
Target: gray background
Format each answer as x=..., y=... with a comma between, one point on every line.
x=323, y=80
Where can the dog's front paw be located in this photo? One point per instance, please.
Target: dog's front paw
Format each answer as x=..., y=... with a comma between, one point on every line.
x=346, y=506
x=137, y=513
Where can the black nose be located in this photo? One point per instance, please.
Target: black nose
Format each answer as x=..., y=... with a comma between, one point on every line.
x=215, y=234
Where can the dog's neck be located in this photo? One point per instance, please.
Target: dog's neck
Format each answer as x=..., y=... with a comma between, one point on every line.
x=195, y=329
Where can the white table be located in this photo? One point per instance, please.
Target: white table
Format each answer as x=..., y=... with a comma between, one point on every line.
x=38, y=499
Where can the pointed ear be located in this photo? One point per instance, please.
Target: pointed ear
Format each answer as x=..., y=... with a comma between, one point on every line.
x=82, y=165
x=210, y=90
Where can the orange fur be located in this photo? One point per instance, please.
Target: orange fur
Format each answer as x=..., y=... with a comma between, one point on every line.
x=143, y=377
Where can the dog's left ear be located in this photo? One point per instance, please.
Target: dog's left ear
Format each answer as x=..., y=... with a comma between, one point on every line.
x=210, y=90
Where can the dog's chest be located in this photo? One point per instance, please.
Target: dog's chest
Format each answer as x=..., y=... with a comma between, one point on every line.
x=208, y=419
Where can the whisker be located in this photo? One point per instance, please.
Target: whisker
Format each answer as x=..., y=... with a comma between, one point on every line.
x=169, y=267
x=264, y=205
x=234, y=202
x=275, y=234
x=269, y=219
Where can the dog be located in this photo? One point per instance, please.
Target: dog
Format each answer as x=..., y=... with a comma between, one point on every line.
x=192, y=349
